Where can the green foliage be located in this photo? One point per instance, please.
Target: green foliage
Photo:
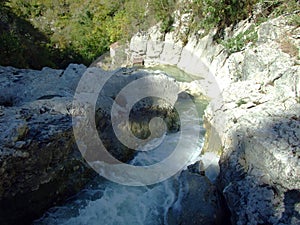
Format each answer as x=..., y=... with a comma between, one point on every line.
x=208, y=14
x=294, y=20
x=280, y=7
x=163, y=11
x=272, y=9
x=269, y=8
x=36, y=33
x=20, y=42
x=166, y=25
x=11, y=46
x=239, y=42
x=79, y=30
x=241, y=102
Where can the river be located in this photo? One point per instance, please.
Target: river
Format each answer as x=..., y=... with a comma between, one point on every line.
x=109, y=203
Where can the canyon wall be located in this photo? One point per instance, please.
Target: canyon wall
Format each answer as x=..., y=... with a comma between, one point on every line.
x=253, y=119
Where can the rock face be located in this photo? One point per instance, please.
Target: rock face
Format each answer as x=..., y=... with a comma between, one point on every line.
x=258, y=125
x=253, y=118
x=40, y=164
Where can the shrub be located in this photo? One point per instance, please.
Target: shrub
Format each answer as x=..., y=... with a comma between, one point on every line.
x=220, y=13
x=239, y=42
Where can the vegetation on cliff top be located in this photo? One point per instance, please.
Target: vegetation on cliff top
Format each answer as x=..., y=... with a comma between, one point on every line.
x=37, y=33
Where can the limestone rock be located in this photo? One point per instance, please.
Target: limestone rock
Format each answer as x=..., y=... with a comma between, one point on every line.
x=40, y=164
x=253, y=118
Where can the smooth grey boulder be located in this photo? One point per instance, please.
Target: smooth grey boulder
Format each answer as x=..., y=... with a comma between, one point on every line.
x=199, y=202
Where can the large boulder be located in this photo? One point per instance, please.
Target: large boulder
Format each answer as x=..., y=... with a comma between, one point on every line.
x=40, y=164
x=39, y=161
x=259, y=166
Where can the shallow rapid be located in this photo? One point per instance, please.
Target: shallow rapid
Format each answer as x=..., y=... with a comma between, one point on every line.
x=105, y=202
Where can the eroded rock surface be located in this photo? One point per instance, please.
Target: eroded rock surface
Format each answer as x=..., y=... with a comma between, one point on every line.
x=253, y=118
x=258, y=126
x=39, y=161
x=40, y=164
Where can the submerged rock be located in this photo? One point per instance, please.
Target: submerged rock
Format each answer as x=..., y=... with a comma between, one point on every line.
x=199, y=202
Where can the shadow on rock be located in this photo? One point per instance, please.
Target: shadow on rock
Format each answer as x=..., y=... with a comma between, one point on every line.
x=259, y=174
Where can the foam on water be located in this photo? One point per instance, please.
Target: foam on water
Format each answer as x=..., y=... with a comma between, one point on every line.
x=109, y=203
x=115, y=204
x=130, y=205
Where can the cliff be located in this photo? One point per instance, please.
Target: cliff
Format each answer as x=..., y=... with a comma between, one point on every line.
x=253, y=117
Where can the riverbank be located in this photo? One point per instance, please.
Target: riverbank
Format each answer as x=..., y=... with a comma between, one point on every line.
x=41, y=163
x=253, y=117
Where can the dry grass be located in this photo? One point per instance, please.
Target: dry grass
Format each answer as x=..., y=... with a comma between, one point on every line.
x=288, y=47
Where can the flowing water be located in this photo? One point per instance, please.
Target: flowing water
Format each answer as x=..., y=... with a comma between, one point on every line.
x=105, y=202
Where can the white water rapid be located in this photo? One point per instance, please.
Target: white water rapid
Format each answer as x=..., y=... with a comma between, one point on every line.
x=108, y=203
